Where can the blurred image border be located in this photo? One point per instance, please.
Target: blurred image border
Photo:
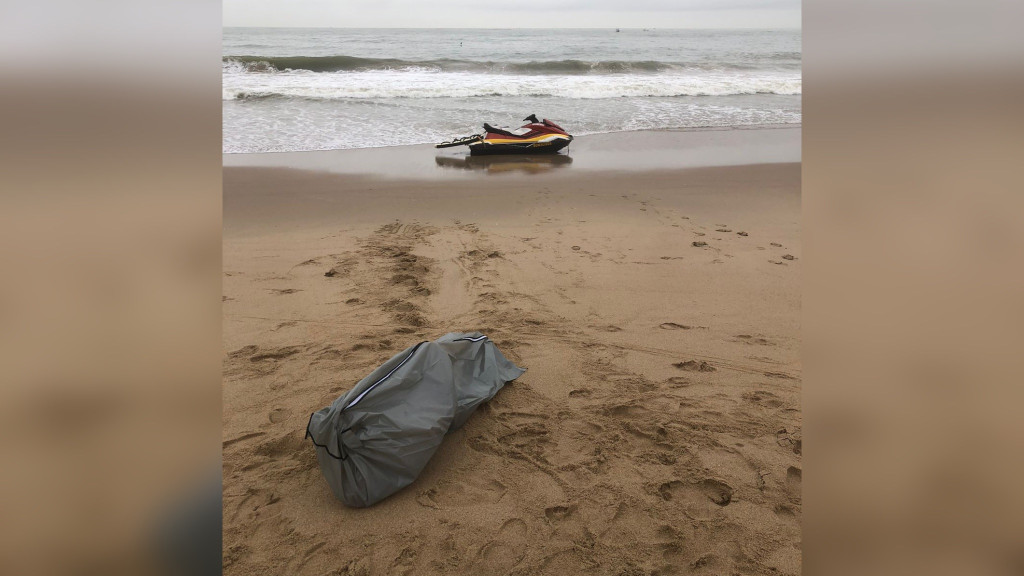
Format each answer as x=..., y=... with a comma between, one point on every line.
x=110, y=317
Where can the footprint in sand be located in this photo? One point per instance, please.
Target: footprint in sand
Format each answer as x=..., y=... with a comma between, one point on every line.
x=716, y=491
x=695, y=366
x=794, y=478
x=299, y=561
x=748, y=339
x=700, y=500
x=404, y=563
x=286, y=446
x=506, y=550
x=785, y=512
x=336, y=271
x=330, y=353
x=763, y=398
x=710, y=564
x=556, y=514
x=788, y=439
x=278, y=414
x=244, y=351
x=283, y=291
x=275, y=354
x=241, y=438
x=631, y=411
x=671, y=551
x=656, y=457
x=678, y=382
x=674, y=326
x=453, y=494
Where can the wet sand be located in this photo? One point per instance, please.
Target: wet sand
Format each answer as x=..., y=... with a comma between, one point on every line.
x=620, y=151
x=657, y=429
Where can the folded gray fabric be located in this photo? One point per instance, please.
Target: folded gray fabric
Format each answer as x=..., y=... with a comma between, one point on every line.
x=375, y=439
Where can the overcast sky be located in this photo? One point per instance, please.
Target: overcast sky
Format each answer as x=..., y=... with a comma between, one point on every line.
x=514, y=13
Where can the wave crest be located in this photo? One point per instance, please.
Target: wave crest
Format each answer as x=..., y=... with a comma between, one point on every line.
x=384, y=85
x=270, y=64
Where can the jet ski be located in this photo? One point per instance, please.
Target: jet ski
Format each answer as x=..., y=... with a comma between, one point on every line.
x=540, y=137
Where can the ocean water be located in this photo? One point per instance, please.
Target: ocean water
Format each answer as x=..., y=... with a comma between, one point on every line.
x=323, y=89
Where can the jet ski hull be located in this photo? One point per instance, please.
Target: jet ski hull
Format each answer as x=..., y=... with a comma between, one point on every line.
x=485, y=148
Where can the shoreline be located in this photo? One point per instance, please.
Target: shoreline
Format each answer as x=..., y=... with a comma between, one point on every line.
x=633, y=151
x=798, y=125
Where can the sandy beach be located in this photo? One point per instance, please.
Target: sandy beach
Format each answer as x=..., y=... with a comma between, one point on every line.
x=657, y=310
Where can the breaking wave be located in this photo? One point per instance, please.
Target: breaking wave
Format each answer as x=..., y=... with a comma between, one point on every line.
x=270, y=64
x=382, y=84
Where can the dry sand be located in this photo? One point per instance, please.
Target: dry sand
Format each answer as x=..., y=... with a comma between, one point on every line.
x=657, y=430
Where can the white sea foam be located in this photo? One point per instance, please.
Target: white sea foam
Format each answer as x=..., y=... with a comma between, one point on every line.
x=277, y=125
x=421, y=83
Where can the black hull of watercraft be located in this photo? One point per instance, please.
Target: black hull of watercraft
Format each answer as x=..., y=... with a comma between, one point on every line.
x=482, y=149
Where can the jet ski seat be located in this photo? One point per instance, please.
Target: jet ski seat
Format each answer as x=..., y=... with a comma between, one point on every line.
x=494, y=130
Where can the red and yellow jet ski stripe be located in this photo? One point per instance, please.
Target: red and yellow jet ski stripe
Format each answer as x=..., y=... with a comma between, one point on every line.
x=499, y=139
